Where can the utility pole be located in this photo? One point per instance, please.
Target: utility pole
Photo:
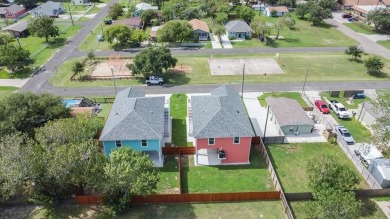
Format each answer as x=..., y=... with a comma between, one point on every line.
x=242, y=82
x=304, y=84
x=70, y=13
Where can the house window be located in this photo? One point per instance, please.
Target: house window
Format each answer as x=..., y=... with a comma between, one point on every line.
x=118, y=144
x=236, y=140
x=211, y=141
x=144, y=143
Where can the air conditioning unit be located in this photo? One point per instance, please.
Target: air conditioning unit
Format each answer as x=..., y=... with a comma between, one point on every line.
x=296, y=133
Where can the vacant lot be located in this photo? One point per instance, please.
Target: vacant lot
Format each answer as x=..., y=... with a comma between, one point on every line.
x=323, y=67
x=230, y=178
x=290, y=162
x=292, y=95
x=361, y=28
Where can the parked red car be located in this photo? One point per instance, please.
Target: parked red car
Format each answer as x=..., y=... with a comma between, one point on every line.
x=321, y=105
x=346, y=16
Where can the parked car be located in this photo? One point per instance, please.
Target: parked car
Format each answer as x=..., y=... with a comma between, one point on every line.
x=339, y=109
x=359, y=96
x=108, y=22
x=352, y=19
x=100, y=37
x=321, y=106
x=154, y=80
x=346, y=16
x=345, y=134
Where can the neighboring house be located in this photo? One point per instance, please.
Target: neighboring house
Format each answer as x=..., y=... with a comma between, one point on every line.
x=367, y=114
x=369, y=153
x=220, y=127
x=18, y=29
x=133, y=22
x=153, y=33
x=80, y=2
x=200, y=29
x=49, y=9
x=139, y=8
x=260, y=7
x=288, y=116
x=380, y=170
x=238, y=29
x=279, y=11
x=12, y=11
x=347, y=4
x=363, y=10
x=138, y=122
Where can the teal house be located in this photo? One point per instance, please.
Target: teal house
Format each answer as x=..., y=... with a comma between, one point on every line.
x=142, y=123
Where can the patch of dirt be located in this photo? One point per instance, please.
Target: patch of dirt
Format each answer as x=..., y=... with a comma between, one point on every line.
x=172, y=191
x=181, y=69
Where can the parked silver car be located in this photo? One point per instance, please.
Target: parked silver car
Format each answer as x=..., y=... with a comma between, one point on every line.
x=345, y=134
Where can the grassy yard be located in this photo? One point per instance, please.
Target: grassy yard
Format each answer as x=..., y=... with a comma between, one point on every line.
x=323, y=67
x=4, y=91
x=385, y=43
x=303, y=35
x=343, y=100
x=359, y=132
x=169, y=176
x=292, y=95
x=382, y=92
x=105, y=110
x=361, y=28
x=234, y=178
x=178, y=107
x=258, y=209
x=370, y=210
x=290, y=161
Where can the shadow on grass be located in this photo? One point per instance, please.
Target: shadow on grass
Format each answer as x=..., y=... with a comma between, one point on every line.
x=177, y=77
x=324, y=25
x=170, y=164
x=369, y=207
x=21, y=73
x=356, y=60
x=378, y=74
x=56, y=42
x=185, y=167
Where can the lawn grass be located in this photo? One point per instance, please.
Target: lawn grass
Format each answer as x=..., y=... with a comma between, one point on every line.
x=303, y=35
x=178, y=108
x=169, y=177
x=358, y=131
x=343, y=100
x=379, y=92
x=230, y=178
x=323, y=67
x=384, y=43
x=292, y=95
x=105, y=110
x=290, y=162
x=361, y=28
x=370, y=209
x=5, y=90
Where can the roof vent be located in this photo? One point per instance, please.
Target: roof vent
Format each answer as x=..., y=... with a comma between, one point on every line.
x=238, y=111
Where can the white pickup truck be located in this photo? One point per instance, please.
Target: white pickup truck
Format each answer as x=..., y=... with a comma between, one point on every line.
x=339, y=109
x=154, y=80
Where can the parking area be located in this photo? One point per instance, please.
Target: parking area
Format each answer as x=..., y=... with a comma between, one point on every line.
x=253, y=66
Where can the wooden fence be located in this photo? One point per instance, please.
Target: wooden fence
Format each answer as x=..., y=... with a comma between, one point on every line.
x=178, y=150
x=88, y=199
x=274, y=140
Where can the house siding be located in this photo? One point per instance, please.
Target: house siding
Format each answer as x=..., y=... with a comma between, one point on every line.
x=14, y=15
x=235, y=153
x=301, y=129
x=237, y=35
x=153, y=145
x=202, y=35
x=364, y=117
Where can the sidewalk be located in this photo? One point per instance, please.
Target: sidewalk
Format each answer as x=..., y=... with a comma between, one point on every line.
x=13, y=82
x=226, y=42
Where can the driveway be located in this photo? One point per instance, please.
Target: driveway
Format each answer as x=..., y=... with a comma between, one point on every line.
x=337, y=17
x=13, y=82
x=215, y=42
x=226, y=42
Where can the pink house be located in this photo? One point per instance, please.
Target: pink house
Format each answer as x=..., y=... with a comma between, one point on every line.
x=12, y=11
x=220, y=127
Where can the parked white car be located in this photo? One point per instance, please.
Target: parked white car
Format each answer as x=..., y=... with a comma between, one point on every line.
x=154, y=80
x=339, y=109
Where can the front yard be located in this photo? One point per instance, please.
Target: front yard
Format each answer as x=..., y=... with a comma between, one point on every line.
x=343, y=100
x=5, y=90
x=292, y=95
x=290, y=161
x=228, y=178
x=359, y=132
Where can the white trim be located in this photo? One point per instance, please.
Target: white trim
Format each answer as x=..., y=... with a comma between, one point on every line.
x=234, y=139
x=208, y=141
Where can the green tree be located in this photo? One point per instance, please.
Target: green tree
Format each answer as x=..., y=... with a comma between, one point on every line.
x=139, y=36
x=380, y=18
x=175, y=31
x=381, y=127
x=6, y=37
x=127, y=173
x=260, y=26
x=173, y=9
x=328, y=4
x=120, y=32
x=279, y=25
x=190, y=13
x=91, y=55
x=147, y=16
x=153, y=61
x=245, y=13
x=374, y=64
x=302, y=10
x=221, y=18
x=289, y=21
x=78, y=67
x=28, y=4
x=316, y=14
x=354, y=51
x=42, y=26
x=14, y=57
x=23, y=112
x=219, y=30
x=115, y=11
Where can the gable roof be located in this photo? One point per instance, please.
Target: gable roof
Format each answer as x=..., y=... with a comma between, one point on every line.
x=288, y=111
x=131, y=22
x=48, y=6
x=374, y=112
x=383, y=166
x=12, y=8
x=134, y=117
x=199, y=25
x=238, y=26
x=221, y=114
x=278, y=9
x=365, y=2
x=17, y=27
x=367, y=8
x=145, y=6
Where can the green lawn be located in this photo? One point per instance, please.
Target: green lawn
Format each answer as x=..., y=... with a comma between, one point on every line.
x=169, y=177
x=343, y=100
x=105, y=110
x=382, y=92
x=385, y=43
x=370, y=210
x=359, y=132
x=290, y=162
x=323, y=67
x=178, y=107
x=361, y=28
x=292, y=95
x=5, y=90
x=303, y=35
x=231, y=178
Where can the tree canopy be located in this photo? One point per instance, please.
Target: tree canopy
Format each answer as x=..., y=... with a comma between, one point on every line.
x=115, y=11
x=259, y=25
x=245, y=13
x=354, y=51
x=381, y=135
x=147, y=16
x=374, y=64
x=173, y=9
x=316, y=11
x=14, y=57
x=6, y=37
x=380, y=18
x=28, y=4
x=176, y=31
x=153, y=61
x=120, y=32
x=43, y=26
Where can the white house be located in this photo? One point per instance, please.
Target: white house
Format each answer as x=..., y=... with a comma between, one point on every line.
x=139, y=8
x=367, y=114
x=380, y=170
x=80, y=2
x=279, y=11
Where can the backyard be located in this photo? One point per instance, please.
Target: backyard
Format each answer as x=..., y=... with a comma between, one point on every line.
x=292, y=95
x=178, y=107
x=323, y=67
x=169, y=177
x=230, y=178
x=290, y=161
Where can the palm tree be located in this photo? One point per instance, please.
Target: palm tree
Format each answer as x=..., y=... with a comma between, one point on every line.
x=77, y=68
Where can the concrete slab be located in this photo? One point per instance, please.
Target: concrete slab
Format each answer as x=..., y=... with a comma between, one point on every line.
x=226, y=42
x=215, y=42
x=13, y=82
x=385, y=207
x=377, y=37
x=253, y=66
x=315, y=136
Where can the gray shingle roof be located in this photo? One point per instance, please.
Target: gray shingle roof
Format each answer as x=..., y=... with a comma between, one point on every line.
x=288, y=111
x=48, y=6
x=135, y=117
x=374, y=112
x=238, y=26
x=17, y=27
x=222, y=114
